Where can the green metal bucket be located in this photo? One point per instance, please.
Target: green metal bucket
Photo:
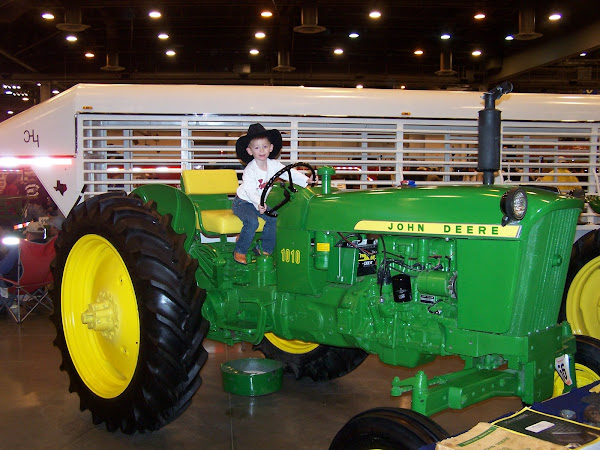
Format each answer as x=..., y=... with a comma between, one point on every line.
x=252, y=376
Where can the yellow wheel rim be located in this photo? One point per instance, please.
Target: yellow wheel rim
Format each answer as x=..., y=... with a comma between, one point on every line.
x=291, y=346
x=583, y=300
x=584, y=375
x=100, y=316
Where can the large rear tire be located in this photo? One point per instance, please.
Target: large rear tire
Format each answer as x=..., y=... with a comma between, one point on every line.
x=127, y=313
x=305, y=359
x=581, y=298
x=587, y=363
x=388, y=428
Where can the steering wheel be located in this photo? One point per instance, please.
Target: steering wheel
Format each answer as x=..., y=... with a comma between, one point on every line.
x=287, y=190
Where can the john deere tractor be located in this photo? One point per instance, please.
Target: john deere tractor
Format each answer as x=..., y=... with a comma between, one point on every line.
x=407, y=274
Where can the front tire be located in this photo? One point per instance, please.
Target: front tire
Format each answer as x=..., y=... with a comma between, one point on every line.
x=587, y=364
x=305, y=359
x=127, y=314
x=388, y=428
x=581, y=299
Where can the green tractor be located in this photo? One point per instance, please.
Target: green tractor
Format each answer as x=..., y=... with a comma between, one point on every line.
x=405, y=273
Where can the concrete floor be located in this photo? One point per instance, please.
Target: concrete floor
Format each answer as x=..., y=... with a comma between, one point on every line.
x=37, y=410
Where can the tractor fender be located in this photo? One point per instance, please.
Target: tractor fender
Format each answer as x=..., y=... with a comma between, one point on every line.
x=173, y=201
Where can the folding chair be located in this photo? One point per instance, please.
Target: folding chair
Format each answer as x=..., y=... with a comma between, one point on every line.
x=30, y=289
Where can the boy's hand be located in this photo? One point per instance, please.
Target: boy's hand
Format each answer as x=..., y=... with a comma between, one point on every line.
x=311, y=180
x=262, y=208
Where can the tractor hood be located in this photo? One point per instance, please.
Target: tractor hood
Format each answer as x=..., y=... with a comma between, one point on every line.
x=473, y=211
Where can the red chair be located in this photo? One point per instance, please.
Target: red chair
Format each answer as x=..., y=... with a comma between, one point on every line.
x=34, y=276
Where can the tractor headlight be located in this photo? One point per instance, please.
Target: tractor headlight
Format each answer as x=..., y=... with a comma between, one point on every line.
x=513, y=205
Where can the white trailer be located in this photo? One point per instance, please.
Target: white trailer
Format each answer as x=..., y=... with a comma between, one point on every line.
x=97, y=138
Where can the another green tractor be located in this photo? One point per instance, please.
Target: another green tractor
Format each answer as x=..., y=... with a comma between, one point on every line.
x=405, y=273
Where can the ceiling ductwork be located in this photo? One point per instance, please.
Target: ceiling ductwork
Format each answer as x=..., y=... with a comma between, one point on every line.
x=527, y=25
x=445, y=64
x=112, y=46
x=283, y=62
x=72, y=23
x=309, y=21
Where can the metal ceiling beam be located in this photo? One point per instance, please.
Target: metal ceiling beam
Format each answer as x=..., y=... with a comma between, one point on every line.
x=17, y=60
x=585, y=40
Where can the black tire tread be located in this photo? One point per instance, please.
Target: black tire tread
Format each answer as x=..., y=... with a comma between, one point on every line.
x=169, y=303
x=321, y=364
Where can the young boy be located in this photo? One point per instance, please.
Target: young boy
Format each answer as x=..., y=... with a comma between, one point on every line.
x=256, y=149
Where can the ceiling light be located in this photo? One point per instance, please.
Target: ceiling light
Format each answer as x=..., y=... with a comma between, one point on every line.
x=476, y=53
x=170, y=53
x=353, y=35
x=259, y=35
x=266, y=14
x=89, y=55
x=510, y=37
x=583, y=54
x=402, y=87
x=163, y=36
x=9, y=112
x=8, y=92
x=374, y=14
x=418, y=52
x=155, y=14
x=38, y=84
x=25, y=99
x=71, y=38
x=359, y=86
x=48, y=16
x=479, y=16
x=555, y=16
x=445, y=36
x=338, y=51
x=55, y=91
x=254, y=51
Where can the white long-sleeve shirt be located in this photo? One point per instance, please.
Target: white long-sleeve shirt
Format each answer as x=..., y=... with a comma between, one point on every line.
x=254, y=180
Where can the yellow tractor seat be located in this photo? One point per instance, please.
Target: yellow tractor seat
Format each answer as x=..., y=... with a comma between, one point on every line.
x=210, y=190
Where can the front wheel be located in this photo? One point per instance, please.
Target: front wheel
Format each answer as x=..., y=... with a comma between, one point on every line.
x=127, y=314
x=587, y=364
x=581, y=299
x=388, y=428
x=317, y=361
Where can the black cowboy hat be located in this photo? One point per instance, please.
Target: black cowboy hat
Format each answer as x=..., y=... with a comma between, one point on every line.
x=256, y=130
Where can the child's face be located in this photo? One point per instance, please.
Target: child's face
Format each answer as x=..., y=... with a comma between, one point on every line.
x=260, y=148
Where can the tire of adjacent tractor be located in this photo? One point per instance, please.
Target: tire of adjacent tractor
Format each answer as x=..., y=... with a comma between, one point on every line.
x=128, y=313
x=581, y=297
x=388, y=428
x=305, y=359
x=587, y=363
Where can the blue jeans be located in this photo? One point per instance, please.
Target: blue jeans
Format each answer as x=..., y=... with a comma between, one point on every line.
x=248, y=214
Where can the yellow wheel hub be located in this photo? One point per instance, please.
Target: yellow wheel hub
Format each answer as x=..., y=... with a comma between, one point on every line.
x=100, y=316
x=291, y=346
x=584, y=375
x=583, y=300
